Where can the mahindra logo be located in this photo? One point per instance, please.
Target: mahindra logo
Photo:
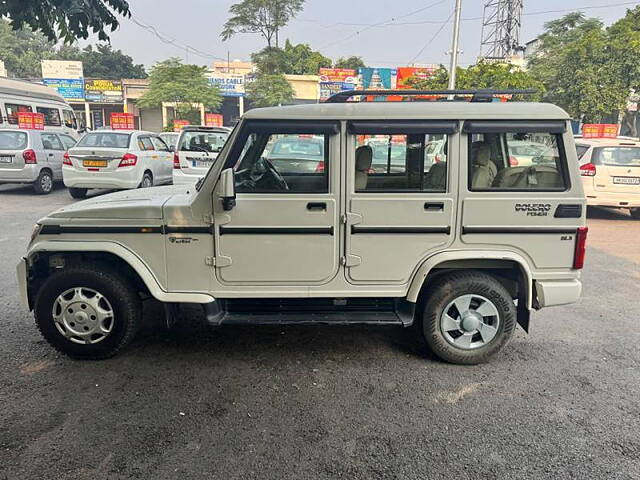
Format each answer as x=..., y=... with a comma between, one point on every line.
x=534, y=209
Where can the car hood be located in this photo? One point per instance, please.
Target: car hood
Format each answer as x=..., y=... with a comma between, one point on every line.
x=145, y=203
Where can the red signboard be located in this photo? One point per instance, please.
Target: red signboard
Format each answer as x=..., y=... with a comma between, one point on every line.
x=178, y=124
x=122, y=121
x=344, y=75
x=599, y=130
x=405, y=73
x=31, y=121
x=213, y=119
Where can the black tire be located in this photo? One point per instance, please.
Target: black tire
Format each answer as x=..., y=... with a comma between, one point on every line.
x=44, y=183
x=120, y=293
x=147, y=179
x=448, y=288
x=78, y=192
x=635, y=213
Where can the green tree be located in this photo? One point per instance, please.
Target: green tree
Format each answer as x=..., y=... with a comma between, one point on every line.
x=65, y=20
x=352, y=62
x=269, y=90
x=483, y=75
x=184, y=85
x=265, y=17
x=292, y=59
x=270, y=61
x=102, y=61
x=22, y=51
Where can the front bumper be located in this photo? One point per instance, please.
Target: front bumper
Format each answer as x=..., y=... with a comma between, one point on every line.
x=557, y=292
x=27, y=174
x=126, y=177
x=21, y=274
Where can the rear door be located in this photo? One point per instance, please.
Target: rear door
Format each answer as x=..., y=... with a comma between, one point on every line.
x=284, y=226
x=53, y=153
x=400, y=198
x=164, y=159
x=534, y=210
x=99, y=151
x=198, y=149
x=617, y=169
x=12, y=144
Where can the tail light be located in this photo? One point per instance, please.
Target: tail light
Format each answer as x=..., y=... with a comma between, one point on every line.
x=581, y=247
x=29, y=156
x=588, y=170
x=176, y=161
x=320, y=167
x=128, y=160
x=67, y=159
x=513, y=161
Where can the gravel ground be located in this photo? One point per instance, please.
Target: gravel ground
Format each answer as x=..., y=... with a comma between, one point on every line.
x=327, y=402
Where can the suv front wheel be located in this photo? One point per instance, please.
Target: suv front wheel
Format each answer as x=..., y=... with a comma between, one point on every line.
x=87, y=312
x=468, y=317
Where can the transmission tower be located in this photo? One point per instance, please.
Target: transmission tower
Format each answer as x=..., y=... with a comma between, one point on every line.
x=500, y=28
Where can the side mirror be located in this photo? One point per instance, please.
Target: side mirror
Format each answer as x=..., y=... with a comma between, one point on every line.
x=227, y=189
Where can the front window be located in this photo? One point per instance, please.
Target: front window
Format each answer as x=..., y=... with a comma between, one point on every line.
x=69, y=119
x=13, y=140
x=207, y=142
x=13, y=109
x=616, y=156
x=51, y=116
x=516, y=161
x=105, y=140
x=401, y=163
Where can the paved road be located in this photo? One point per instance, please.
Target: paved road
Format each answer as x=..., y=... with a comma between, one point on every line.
x=320, y=403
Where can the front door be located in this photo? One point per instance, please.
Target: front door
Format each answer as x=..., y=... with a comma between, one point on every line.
x=400, y=197
x=284, y=226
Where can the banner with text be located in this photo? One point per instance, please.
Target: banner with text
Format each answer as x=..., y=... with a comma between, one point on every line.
x=31, y=121
x=334, y=80
x=103, y=91
x=230, y=84
x=122, y=121
x=66, y=77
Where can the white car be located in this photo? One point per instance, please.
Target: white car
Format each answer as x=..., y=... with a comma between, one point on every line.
x=196, y=150
x=32, y=157
x=170, y=138
x=610, y=170
x=117, y=160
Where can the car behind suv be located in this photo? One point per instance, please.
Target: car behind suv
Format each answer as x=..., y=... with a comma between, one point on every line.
x=196, y=150
x=461, y=249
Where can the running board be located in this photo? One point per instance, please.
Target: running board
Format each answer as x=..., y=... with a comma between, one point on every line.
x=398, y=312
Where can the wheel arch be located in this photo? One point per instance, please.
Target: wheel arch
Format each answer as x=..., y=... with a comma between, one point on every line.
x=495, y=262
x=46, y=256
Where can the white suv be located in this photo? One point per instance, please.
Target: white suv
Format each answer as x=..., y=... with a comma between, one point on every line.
x=610, y=170
x=461, y=249
x=115, y=159
x=196, y=150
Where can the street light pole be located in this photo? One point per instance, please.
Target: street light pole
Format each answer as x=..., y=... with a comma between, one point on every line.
x=454, y=47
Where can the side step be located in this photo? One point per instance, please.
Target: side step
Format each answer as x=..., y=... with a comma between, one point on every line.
x=310, y=312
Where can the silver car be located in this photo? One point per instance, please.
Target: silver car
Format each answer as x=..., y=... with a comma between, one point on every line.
x=33, y=157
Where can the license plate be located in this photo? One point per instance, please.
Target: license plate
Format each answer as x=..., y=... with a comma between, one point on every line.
x=201, y=164
x=94, y=163
x=626, y=180
x=6, y=159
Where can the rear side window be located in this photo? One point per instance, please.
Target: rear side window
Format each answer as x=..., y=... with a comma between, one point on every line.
x=105, y=140
x=159, y=144
x=581, y=150
x=144, y=143
x=517, y=161
x=616, y=156
x=13, y=140
x=67, y=141
x=51, y=116
x=13, y=109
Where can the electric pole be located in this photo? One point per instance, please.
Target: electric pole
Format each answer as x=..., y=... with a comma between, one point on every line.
x=454, y=47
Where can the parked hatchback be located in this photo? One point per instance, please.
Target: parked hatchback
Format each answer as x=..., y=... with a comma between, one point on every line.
x=32, y=157
x=196, y=150
x=117, y=160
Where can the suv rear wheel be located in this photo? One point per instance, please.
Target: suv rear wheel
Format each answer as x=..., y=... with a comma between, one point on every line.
x=87, y=312
x=468, y=317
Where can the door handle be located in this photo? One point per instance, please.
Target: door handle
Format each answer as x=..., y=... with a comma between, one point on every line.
x=316, y=206
x=51, y=154
x=434, y=206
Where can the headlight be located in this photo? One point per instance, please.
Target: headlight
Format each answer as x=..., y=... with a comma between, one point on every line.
x=34, y=233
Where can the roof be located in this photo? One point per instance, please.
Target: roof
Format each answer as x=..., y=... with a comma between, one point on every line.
x=412, y=110
x=29, y=89
x=608, y=142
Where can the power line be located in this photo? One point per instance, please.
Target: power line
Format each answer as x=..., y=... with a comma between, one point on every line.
x=430, y=41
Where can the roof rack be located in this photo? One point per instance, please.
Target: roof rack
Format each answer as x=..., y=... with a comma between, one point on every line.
x=478, y=95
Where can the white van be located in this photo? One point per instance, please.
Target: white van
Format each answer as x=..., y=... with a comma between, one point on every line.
x=22, y=96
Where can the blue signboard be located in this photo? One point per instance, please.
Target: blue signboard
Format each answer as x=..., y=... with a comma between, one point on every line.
x=71, y=89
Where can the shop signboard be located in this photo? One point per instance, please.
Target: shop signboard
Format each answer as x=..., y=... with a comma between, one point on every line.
x=419, y=73
x=230, y=84
x=213, y=119
x=103, y=91
x=122, y=121
x=599, y=130
x=64, y=76
x=180, y=124
x=30, y=120
x=334, y=80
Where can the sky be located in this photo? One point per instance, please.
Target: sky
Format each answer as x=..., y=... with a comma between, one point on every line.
x=383, y=32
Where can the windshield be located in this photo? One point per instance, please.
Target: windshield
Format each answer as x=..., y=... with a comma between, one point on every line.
x=170, y=139
x=105, y=139
x=617, y=156
x=298, y=147
x=208, y=142
x=13, y=140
